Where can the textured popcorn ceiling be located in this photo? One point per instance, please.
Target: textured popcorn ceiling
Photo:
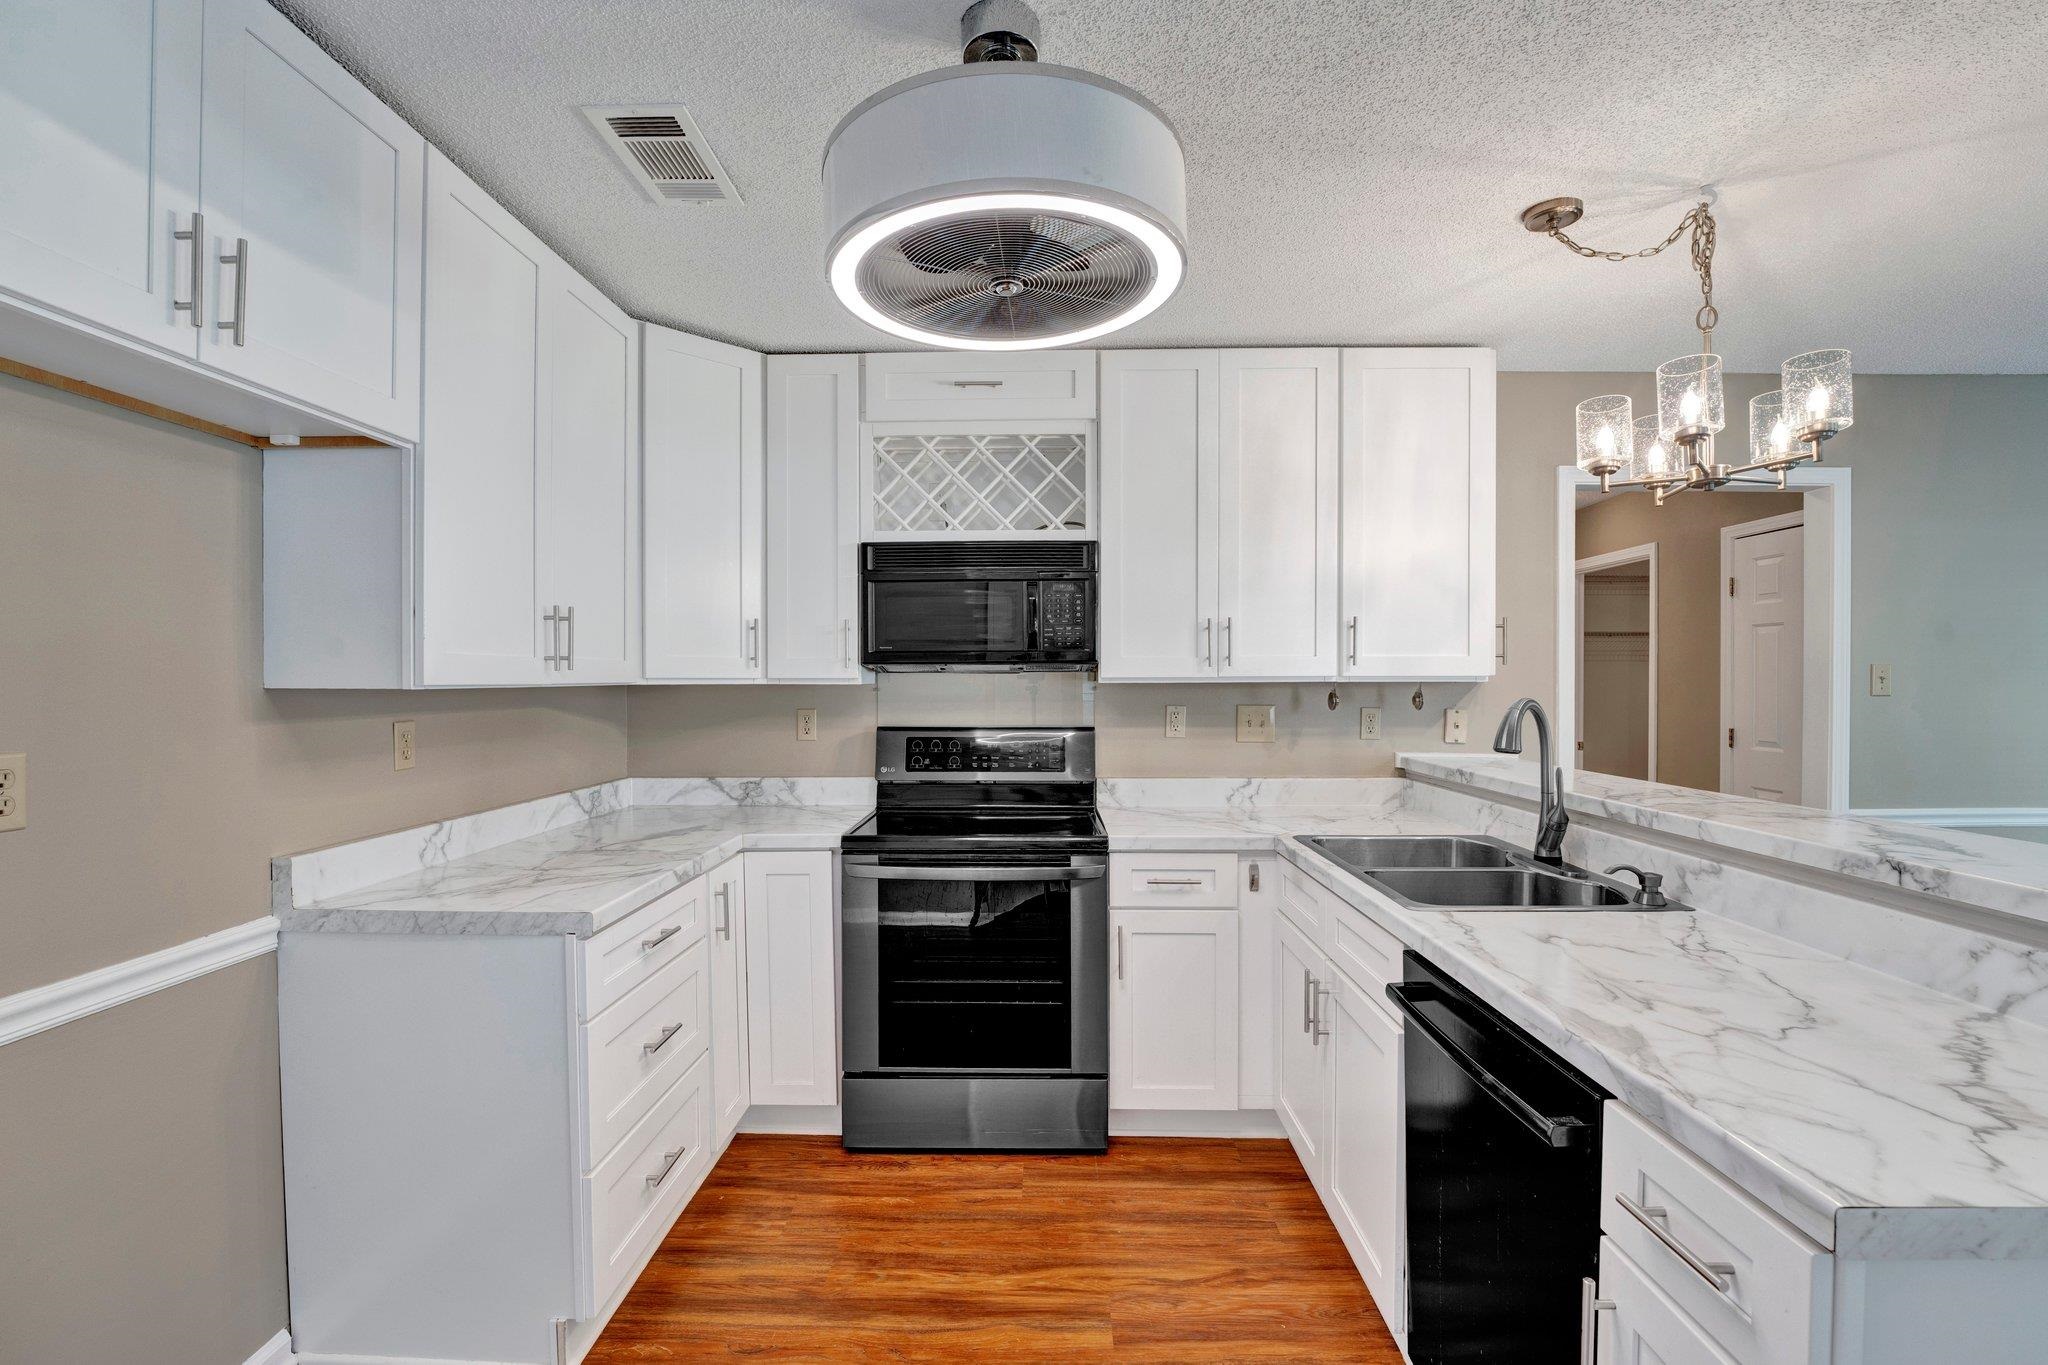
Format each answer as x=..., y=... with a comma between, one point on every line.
x=1354, y=168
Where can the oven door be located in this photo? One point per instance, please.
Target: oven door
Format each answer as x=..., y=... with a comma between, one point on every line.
x=998, y=968
x=945, y=621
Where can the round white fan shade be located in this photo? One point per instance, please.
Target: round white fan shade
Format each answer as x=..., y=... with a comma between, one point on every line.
x=1004, y=206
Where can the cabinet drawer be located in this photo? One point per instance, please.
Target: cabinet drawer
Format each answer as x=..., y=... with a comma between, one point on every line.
x=1189, y=880
x=1774, y=1291
x=1363, y=951
x=1306, y=903
x=912, y=387
x=1644, y=1327
x=641, y=944
x=638, y=1190
x=635, y=1050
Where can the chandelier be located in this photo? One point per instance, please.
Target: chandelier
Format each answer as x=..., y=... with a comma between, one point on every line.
x=1672, y=450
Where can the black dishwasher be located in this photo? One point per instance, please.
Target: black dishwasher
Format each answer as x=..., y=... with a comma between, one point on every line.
x=1503, y=1181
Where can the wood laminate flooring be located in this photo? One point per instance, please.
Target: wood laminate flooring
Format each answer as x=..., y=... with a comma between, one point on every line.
x=1167, y=1249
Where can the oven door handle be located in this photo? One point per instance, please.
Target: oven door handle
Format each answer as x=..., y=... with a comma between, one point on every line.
x=974, y=874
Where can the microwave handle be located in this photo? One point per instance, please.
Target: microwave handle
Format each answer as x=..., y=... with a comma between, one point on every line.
x=1031, y=591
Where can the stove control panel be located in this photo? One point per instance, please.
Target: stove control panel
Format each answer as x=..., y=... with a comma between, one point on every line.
x=1022, y=753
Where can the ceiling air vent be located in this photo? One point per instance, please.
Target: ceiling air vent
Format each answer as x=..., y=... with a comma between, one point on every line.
x=660, y=147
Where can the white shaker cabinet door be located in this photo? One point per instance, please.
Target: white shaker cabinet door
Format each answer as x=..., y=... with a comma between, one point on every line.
x=1300, y=1082
x=483, y=444
x=589, y=505
x=1418, y=535
x=312, y=191
x=813, y=518
x=1367, y=1177
x=1159, y=514
x=792, y=979
x=1173, y=1009
x=729, y=1088
x=99, y=164
x=701, y=494
x=1277, y=548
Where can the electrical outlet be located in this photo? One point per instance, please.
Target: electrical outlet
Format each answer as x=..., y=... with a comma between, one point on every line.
x=807, y=722
x=1368, y=722
x=1880, y=680
x=1176, y=722
x=13, y=791
x=402, y=744
x=1454, y=725
x=1254, y=725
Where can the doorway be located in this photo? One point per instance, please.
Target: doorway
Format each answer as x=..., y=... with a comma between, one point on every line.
x=1617, y=663
x=1763, y=632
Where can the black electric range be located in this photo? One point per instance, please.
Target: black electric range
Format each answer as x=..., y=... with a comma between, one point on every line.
x=974, y=913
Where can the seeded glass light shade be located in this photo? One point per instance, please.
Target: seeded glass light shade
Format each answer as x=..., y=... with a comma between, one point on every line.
x=1819, y=400
x=1770, y=433
x=1656, y=458
x=1606, y=434
x=1689, y=397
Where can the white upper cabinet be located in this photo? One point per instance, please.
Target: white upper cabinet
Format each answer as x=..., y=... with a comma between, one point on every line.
x=99, y=166
x=1277, y=545
x=1418, y=520
x=590, y=492
x=1159, y=514
x=701, y=482
x=813, y=518
x=947, y=386
x=482, y=451
x=311, y=190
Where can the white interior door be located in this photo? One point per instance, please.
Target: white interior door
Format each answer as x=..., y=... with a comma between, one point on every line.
x=701, y=498
x=813, y=517
x=1173, y=1010
x=1277, y=546
x=730, y=1095
x=1763, y=638
x=482, y=446
x=324, y=182
x=792, y=979
x=1418, y=476
x=1159, y=485
x=99, y=164
x=589, y=505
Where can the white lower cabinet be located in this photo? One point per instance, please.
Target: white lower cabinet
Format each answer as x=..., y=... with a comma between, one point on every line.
x=1299, y=1088
x=1173, y=1009
x=730, y=1092
x=1638, y=1325
x=792, y=924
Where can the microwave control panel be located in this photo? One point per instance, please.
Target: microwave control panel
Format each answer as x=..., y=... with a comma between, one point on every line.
x=1062, y=615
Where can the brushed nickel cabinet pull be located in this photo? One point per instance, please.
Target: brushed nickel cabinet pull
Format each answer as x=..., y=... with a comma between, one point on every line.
x=1173, y=881
x=196, y=256
x=977, y=383
x=1716, y=1273
x=669, y=1160
x=724, y=894
x=1229, y=643
x=753, y=642
x=569, y=652
x=553, y=617
x=1354, y=639
x=846, y=643
x=1209, y=641
x=1590, y=1307
x=1308, y=1001
x=1119, y=952
x=1318, y=1032
x=239, y=323
x=659, y=1043
x=648, y=945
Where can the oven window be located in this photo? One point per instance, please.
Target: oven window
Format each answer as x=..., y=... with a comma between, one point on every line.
x=948, y=618
x=975, y=975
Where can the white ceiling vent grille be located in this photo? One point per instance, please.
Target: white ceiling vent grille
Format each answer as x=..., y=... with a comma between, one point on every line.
x=661, y=148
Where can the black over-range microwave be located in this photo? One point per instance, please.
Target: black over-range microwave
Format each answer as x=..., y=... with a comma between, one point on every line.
x=994, y=606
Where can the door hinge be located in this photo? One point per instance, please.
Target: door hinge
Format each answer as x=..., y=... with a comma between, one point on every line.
x=1731, y=736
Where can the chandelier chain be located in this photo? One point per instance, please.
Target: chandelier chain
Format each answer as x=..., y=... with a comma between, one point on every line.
x=1701, y=221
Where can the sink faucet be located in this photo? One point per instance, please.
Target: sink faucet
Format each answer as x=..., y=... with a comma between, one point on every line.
x=1550, y=817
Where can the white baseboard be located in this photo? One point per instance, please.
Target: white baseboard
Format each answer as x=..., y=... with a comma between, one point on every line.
x=1195, y=1123
x=276, y=1351
x=45, y=1007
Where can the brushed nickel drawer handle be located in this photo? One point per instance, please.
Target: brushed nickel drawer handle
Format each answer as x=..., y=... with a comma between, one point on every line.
x=648, y=945
x=724, y=894
x=977, y=383
x=659, y=1043
x=1173, y=881
x=1719, y=1274
x=669, y=1160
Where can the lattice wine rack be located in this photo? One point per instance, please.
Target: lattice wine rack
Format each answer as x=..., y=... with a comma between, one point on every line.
x=965, y=484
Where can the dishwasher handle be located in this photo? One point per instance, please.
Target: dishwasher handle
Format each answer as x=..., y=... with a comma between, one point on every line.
x=1556, y=1132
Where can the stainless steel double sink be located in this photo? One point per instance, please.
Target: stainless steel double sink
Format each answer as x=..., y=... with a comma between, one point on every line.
x=1470, y=872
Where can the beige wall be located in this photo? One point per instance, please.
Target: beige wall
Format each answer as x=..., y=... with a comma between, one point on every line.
x=1687, y=533
x=140, y=1168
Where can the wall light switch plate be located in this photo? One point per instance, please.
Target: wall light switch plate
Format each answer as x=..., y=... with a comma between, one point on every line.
x=807, y=722
x=402, y=744
x=1254, y=725
x=13, y=791
x=1880, y=680
x=1176, y=722
x=1454, y=726
x=1368, y=722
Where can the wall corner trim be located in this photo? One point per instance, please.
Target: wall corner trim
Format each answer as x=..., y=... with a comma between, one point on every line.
x=276, y=1351
x=45, y=1007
